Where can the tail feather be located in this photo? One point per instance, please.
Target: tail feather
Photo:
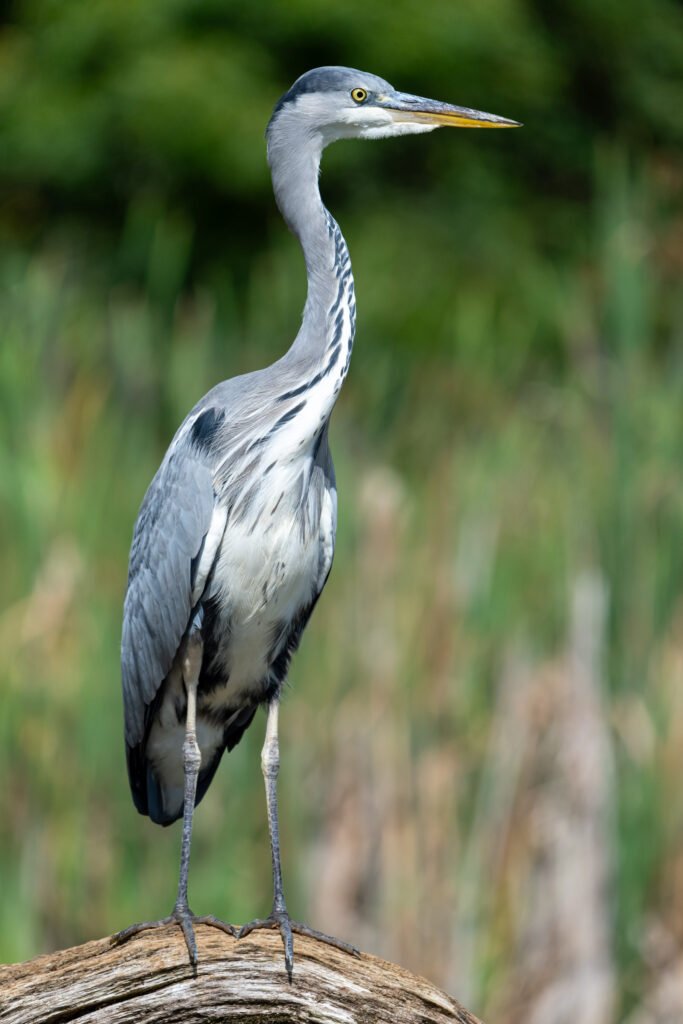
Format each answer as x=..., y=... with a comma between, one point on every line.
x=154, y=797
x=162, y=798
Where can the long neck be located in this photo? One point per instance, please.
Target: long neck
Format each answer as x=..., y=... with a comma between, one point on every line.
x=321, y=351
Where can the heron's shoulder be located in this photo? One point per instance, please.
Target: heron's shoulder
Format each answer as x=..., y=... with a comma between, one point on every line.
x=231, y=397
x=222, y=410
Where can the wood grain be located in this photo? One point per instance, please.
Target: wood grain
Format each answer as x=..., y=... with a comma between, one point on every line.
x=150, y=979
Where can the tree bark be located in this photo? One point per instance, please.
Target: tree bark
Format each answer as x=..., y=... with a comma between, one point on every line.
x=149, y=979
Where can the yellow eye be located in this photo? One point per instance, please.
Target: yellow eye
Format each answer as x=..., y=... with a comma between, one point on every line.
x=359, y=95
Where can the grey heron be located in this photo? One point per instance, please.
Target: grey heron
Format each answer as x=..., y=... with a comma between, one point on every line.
x=234, y=540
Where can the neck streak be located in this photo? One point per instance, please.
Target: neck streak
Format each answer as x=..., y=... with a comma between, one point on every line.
x=319, y=356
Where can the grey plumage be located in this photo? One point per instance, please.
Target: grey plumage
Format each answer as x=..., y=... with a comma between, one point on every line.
x=331, y=79
x=235, y=537
x=226, y=457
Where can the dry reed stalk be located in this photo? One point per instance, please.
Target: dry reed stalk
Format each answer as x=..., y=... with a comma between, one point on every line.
x=565, y=970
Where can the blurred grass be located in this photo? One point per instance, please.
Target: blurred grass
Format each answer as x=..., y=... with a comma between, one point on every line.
x=499, y=434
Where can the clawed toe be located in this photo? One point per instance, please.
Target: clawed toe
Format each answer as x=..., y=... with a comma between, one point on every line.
x=186, y=919
x=144, y=926
x=258, y=924
x=287, y=928
x=215, y=922
x=330, y=940
x=276, y=920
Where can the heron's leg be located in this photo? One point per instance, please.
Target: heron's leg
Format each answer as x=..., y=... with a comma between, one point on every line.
x=270, y=766
x=192, y=759
x=279, y=916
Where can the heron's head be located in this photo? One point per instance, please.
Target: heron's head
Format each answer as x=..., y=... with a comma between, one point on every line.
x=339, y=103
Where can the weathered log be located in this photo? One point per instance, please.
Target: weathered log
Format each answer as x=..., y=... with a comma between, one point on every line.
x=149, y=979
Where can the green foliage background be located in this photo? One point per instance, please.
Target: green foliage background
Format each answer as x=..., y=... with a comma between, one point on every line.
x=517, y=379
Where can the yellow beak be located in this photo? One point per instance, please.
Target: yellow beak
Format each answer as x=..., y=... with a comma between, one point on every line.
x=404, y=108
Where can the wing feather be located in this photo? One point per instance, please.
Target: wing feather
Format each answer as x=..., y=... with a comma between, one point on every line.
x=173, y=521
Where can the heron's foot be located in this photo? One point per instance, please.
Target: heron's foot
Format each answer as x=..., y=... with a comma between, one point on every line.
x=184, y=917
x=280, y=919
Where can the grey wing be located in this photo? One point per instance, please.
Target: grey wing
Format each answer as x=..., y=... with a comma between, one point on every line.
x=170, y=531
